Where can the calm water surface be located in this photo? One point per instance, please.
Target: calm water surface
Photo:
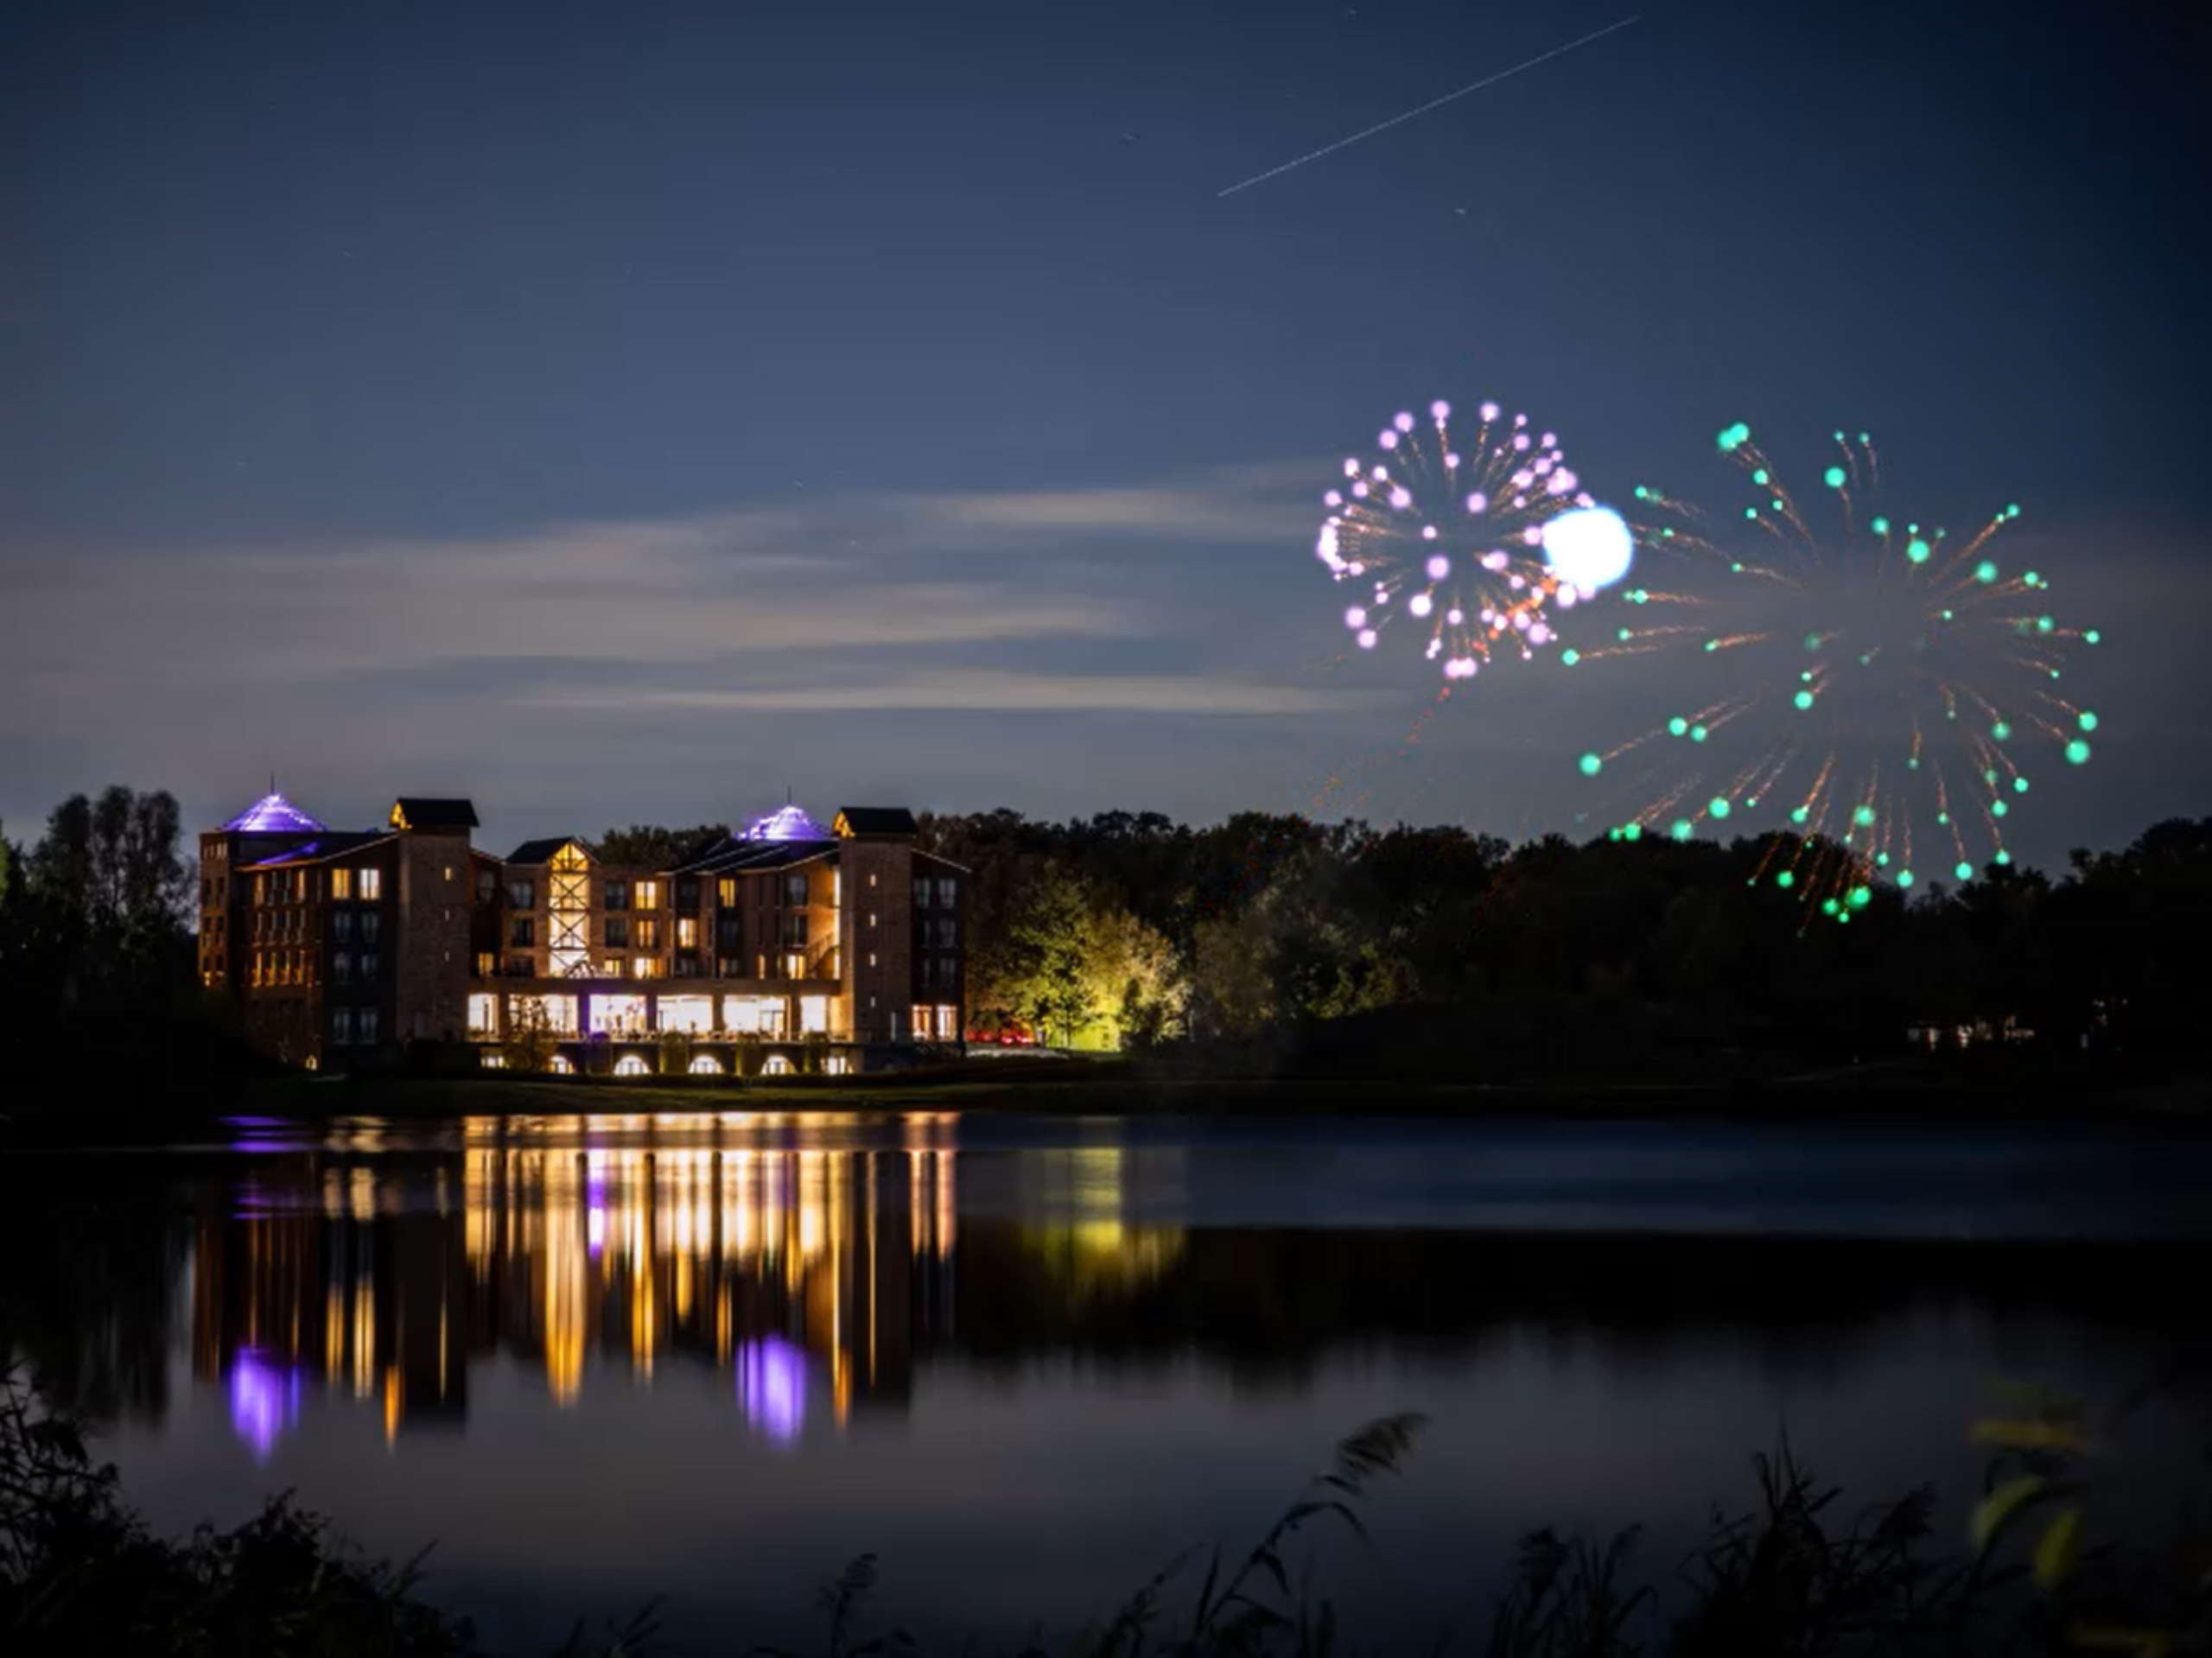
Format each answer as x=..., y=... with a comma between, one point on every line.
x=711, y=1358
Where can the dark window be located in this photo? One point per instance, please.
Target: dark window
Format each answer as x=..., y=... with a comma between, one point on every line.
x=730, y=967
x=648, y=932
x=341, y=1026
x=522, y=892
x=521, y=932
x=687, y=892
x=341, y=925
x=729, y=934
x=948, y=891
x=488, y=884
x=794, y=889
x=617, y=895
x=365, y=1024
x=521, y=967
x=795, y=932
x=371, y=922
x=687, y=966
x=369, y=965
x=618, y=932
x=342, y=966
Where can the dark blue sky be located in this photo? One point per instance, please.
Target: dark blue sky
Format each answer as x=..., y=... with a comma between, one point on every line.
x=628, y=412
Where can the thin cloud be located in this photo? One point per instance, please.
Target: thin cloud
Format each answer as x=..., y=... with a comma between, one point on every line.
x=995, y=691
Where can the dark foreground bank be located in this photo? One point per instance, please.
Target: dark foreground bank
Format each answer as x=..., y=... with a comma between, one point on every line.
x=1794, y=1571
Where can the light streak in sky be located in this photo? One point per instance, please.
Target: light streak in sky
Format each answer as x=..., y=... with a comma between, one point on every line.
x=1432, y=104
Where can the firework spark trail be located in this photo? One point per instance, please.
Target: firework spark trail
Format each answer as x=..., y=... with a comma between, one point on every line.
x=1452, y=539
x=1434, y=103
x=1935, y=647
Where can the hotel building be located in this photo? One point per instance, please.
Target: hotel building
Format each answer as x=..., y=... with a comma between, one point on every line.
x=786, y=946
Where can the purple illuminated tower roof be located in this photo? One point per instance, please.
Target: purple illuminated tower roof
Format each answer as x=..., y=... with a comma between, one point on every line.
x=273, y=815
x=785, y=824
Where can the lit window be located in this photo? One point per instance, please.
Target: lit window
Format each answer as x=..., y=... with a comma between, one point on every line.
x=611, y=968
x=342, y=883
x=648, y=896
x=648, y=932
x=725, y=892
x=687, y=932
x=371, y=884
x=814, y=1015
x=706, y=1065
x=493, y=1059
x=871, y=918
x=631, y=1064
x=871, y=958
x=871, y=878
x=794, y=966
x=486, y=964
x=645, y=967
x=562, y=1065
x=448, y=871
x=775, y=1066
x=836, y=1064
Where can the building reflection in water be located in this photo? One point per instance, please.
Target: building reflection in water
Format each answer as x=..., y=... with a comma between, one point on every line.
x=814, y=1276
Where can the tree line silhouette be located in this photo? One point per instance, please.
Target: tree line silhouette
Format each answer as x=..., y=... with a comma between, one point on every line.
x=1130, y=929
x=1129, y=926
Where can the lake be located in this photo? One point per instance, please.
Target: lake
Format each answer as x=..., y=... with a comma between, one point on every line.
x=1025, y=1363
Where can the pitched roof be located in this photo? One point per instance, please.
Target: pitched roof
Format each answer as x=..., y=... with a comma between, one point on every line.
x=324, y=848
x=433, y=811
x=876, y=820
x=735, y=855
x=537, y=852
x=273, y=815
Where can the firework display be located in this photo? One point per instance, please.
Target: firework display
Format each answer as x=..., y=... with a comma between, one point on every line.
x=1442, y=536
x=1877, y=687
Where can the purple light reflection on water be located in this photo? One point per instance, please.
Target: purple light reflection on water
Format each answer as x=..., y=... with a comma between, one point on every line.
x=771, y=1386
x=265, y=1402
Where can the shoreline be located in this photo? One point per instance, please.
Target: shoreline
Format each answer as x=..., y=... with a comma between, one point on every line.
x=1875, y=1096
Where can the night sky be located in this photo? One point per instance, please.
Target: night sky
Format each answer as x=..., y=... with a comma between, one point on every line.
x=622, y=413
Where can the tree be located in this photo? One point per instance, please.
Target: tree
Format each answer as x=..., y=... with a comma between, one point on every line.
x=1077, y=968
x=649, y=846
x=531, y=1042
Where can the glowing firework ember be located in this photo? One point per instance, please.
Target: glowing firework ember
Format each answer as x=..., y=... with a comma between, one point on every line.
x=1871, y=685
x=1441, y=535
